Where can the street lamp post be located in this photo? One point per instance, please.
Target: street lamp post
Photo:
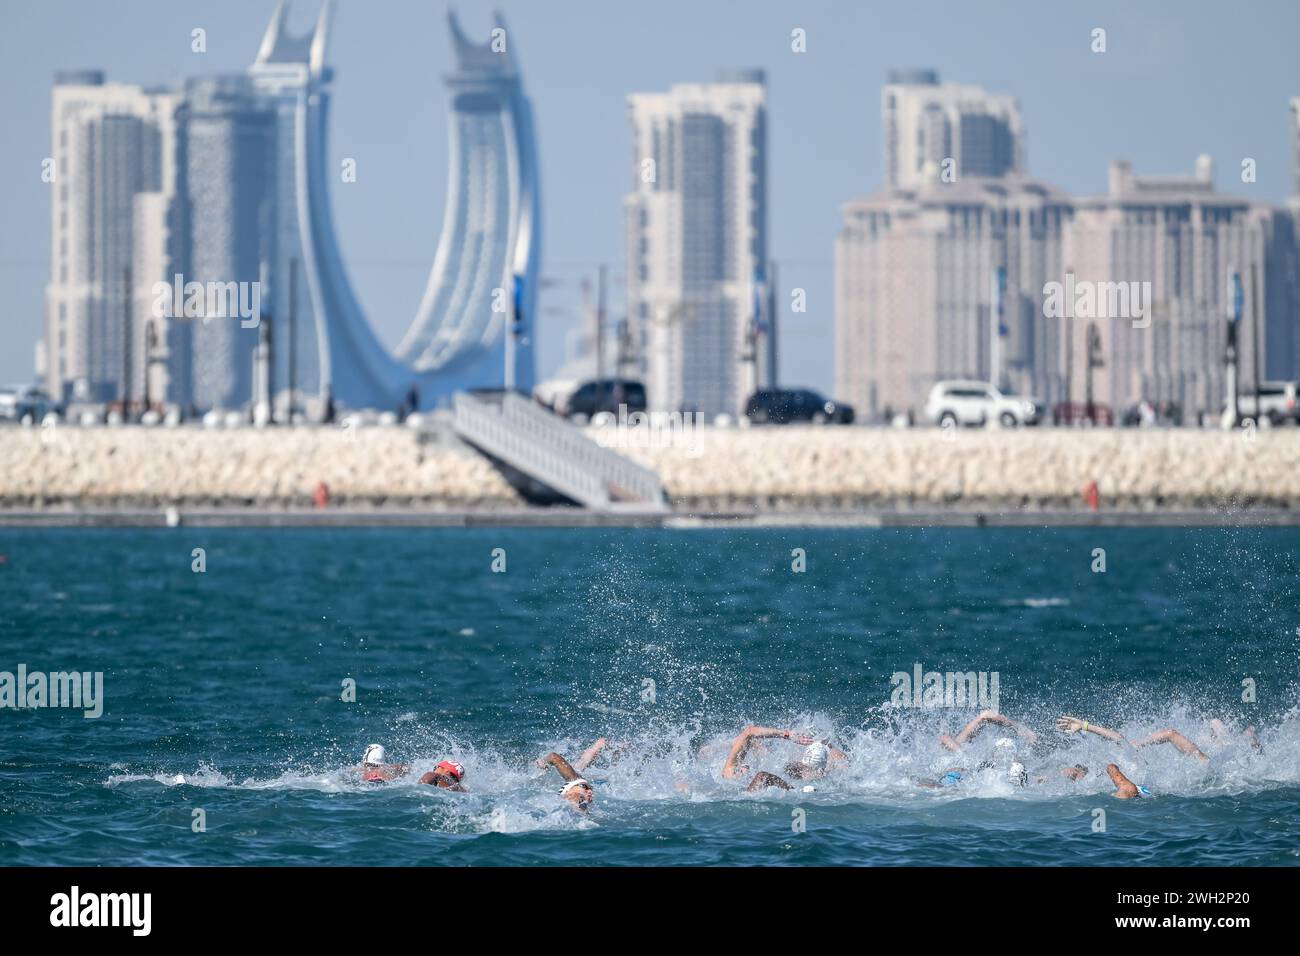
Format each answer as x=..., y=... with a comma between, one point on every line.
x=1069, y=346
x=1094, y=360
x=997, y=326
x=1230, y=412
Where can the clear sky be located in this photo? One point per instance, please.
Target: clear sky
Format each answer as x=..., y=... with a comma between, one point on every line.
x=1178, y=79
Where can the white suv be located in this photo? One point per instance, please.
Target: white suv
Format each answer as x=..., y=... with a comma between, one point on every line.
x=1277, y=402
x=978, y=403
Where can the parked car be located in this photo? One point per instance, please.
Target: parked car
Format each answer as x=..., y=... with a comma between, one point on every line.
x=1277, y=403
x=19, y=401
x=605, y=395
x=1076, y=413
x=779, y=406
x=978, y=403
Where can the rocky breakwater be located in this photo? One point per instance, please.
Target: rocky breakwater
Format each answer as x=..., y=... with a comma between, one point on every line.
x=134, y=467
x=796, y=468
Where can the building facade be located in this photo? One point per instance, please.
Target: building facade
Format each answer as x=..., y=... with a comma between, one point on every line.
x=1184, y=240
x=111, y=143
x=696, y=243
x=925, y=123
x=228, y=187
x=1121, y=297
x=915, y=299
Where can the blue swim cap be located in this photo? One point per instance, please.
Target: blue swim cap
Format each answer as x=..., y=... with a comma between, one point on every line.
x=1144, y=791
x=950, y=779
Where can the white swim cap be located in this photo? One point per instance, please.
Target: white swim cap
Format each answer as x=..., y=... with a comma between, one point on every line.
x=374, y=754
x=1017, y=773
x=809, y=789
x=815, y=756
x=573, y=785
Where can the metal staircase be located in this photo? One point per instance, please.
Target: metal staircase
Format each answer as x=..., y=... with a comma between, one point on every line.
x=539, y=444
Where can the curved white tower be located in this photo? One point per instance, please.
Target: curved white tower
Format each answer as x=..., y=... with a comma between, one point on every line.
x=483, y=287
x=352, y=365
x=487, y=256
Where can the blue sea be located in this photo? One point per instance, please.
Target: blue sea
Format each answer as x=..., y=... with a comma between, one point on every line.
x=226, y=738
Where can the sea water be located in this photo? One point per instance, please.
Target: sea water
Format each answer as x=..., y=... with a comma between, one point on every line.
x=244, y=672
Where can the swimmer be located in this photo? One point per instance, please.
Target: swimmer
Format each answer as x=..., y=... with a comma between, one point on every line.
x=950, y=777
x=446, y=776
x=576, y=790
x=986, y=717
x=1006, y=756
x=374, y=770
x=813, y=761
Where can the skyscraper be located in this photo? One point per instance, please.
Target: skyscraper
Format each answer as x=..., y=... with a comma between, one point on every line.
x=479, y=308
x=1182, y=237
x=696, y=240
x=914, y=299
x=111, y=143
x=228, y=185
x=338, y=355
x=925, y=122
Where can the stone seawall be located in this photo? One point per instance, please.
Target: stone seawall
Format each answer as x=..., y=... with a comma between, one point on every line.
x=247, y=467
x=793, y=468
x=706, y=471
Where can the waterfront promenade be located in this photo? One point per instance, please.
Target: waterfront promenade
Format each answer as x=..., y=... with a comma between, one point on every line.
x=397, y=474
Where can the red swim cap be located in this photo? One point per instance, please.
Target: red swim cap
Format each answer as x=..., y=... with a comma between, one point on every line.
x=451, y=768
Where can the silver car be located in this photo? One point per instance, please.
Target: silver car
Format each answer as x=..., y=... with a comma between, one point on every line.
x=978, y=403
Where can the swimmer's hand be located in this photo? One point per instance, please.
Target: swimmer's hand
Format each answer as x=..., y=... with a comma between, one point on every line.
x=803, y=740
x=1070, y=725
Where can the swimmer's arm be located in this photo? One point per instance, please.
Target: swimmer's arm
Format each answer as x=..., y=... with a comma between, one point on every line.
x=974, y=727
x=1125, y=789
x=740, y=746
x=1024, y=732
x=764, y=779
x=590, y=754
x=1073, y=724
x=1171, y=736
x=553, y=759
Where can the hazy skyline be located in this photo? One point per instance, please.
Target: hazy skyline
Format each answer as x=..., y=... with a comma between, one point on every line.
x=1170, y=86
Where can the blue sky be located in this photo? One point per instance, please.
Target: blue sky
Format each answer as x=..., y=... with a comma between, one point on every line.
x=1178, y=79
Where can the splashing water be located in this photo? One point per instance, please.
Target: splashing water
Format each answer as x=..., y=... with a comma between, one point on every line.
x=223, y=694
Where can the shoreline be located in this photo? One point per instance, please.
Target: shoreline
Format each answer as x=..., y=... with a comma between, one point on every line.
x=568, y=517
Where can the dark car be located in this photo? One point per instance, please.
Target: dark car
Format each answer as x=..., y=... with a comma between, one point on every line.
x=1073, y=413
x=779, y=406
x=606, y=395
x=21, y=401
